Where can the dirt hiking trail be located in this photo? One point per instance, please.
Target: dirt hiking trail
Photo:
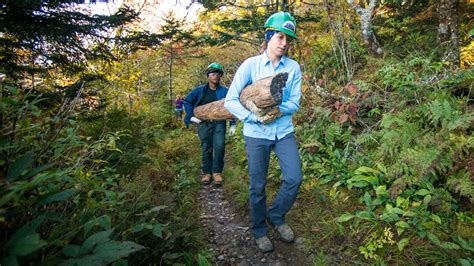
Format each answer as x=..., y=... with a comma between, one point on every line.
x=230, y=240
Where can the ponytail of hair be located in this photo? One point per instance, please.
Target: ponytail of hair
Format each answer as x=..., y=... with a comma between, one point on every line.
x=263, y=47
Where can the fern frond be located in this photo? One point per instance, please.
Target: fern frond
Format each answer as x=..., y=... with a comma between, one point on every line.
x=462, y=184
x=445, y=114
x=460, y=122
x=470, y=142
x=366, y=139
x=420, y=160
x=333, y=132
x=437, y=112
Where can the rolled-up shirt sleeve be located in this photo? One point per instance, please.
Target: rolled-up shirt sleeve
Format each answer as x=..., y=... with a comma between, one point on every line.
x=290, y=106
x=242, y=78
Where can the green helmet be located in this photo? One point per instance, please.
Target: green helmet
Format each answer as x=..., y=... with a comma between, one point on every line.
x=282, y=21
x=214, y=67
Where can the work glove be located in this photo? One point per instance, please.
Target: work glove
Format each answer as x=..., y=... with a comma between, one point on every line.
x=255, y=109
x=264, y=115
x=232, y=130
x=195, y=120
x=269, y=116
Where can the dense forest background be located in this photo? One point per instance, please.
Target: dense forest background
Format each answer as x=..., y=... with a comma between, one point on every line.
x=94, y=167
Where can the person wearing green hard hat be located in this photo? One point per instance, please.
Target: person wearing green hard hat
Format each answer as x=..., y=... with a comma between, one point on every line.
x=282, y=23
x=214, y=68
x=264, y=131
x=211, y=133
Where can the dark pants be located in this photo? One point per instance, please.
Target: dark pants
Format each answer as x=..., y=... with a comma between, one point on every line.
x=212, y=136
x=178, y=113
x=258, y=155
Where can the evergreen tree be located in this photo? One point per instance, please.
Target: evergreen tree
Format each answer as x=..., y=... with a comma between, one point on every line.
x=41, y=34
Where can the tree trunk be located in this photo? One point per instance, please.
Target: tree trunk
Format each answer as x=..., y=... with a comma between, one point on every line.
x=448, y=30
x=170, y=89
x=339, y=22
x=213, y=111
x=444, y=15
x=368, y=34
x=260, y=96
x=266, y=92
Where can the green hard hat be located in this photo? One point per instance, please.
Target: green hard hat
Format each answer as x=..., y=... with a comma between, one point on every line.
x=214, y=67
x=282, y=21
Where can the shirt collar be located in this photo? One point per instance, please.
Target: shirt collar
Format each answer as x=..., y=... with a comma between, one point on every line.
x=208, y=87
x=266, y=59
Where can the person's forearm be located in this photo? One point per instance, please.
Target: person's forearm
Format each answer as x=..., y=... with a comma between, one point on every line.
x=238, y=110
x=232, y=101
x=291, y=106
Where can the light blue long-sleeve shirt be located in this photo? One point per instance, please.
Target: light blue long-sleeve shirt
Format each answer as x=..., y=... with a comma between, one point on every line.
x=259, y=67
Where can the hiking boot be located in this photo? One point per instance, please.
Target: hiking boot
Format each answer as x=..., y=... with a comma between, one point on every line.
x=286, y=234
x=206, y=179
x=217, y=179
x=264, y=244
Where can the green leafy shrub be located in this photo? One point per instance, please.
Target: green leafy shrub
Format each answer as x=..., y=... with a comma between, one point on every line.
x=324, y=147
x=66, y=200
x=408, y=165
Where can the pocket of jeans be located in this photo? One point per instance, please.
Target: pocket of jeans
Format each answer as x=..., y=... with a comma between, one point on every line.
x=201, y=130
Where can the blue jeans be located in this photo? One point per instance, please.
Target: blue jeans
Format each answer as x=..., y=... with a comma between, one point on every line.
x=212, y=136
x=258, y=156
